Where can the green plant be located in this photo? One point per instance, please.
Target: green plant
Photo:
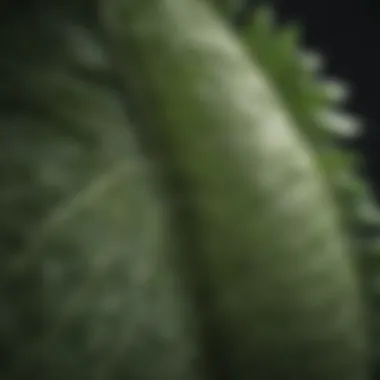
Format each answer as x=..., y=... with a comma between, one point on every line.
x=174, y=202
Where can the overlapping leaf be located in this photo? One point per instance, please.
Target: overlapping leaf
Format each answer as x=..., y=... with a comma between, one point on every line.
x=316, y=104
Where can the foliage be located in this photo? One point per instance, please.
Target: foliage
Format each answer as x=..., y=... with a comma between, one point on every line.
x=175, y=203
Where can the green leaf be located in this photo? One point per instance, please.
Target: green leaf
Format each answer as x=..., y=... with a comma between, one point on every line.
x=91, y=284
x=270, y=246
x=316, y=104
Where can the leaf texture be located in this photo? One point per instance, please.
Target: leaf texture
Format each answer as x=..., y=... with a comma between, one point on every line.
x=313, y=102
x=90, y=284
x=284, y=288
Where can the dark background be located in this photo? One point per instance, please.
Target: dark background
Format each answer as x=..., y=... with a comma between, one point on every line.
x=348, y=35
